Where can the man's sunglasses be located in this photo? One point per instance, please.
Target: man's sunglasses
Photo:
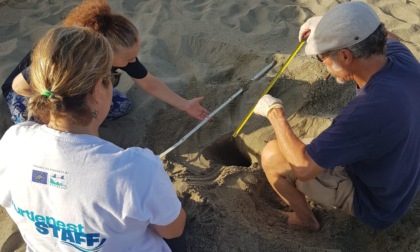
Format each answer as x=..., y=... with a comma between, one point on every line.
x=321, y=58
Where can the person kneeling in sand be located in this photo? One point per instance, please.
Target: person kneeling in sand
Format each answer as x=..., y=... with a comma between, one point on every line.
x=124, y=39
x=367, y=162
x=73, y=190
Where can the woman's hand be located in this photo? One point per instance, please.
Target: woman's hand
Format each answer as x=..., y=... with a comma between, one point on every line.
x=194, y=109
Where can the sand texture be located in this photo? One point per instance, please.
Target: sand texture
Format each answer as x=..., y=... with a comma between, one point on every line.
x=212, y=48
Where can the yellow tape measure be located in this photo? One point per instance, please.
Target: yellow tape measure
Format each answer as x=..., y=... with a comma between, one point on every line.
x=273, y=81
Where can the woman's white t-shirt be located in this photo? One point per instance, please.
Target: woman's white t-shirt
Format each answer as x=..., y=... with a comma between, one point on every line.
x=73, y=192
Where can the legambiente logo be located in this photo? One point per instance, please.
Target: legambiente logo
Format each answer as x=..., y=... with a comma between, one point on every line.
x=56, y=180
x=70, y=234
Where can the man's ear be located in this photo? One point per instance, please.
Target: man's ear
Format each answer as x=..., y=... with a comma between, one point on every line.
x=346, y=55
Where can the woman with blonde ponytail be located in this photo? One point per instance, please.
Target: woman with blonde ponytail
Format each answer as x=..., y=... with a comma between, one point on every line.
x=74, y=191
x=62, y=78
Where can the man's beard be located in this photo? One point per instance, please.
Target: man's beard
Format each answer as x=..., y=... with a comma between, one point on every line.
x=335, y=67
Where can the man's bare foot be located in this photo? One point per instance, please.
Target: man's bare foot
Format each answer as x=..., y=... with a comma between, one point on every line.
x=298, y=224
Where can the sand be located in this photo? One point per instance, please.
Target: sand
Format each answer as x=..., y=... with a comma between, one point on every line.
x=212, y=48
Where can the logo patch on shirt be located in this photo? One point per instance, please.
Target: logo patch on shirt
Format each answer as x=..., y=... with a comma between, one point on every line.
x=58, y=181
x=39, y=177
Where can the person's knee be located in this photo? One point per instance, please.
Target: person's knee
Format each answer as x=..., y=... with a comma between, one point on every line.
x=271, y=158
x=268, y=153
x=273, y=161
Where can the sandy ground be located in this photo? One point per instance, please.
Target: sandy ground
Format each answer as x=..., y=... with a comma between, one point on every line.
x=212, y=48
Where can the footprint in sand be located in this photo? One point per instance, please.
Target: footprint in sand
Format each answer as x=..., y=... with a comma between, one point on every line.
x=261, y=19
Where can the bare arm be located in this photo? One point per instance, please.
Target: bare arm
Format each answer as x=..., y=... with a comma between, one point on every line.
x=174, y=229
x=294, y=150
x=160, y=90
x=392, y=36
x=21, y=87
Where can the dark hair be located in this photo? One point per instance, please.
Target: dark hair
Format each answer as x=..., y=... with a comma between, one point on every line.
x=374, y=44
x=96, y=14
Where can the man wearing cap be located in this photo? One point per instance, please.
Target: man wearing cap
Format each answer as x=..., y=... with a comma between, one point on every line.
x=367, y=163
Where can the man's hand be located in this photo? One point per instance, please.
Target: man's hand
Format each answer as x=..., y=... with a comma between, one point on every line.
x=308, y=27
x=267, y=103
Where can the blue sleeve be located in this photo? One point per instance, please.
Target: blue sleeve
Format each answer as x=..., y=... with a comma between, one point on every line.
x=363, y=131
x=395, y=47
x=336, y=146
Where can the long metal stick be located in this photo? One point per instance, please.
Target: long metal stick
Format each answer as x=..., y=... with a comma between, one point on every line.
x=273, y=81
x=201, y=123
x=264, y=71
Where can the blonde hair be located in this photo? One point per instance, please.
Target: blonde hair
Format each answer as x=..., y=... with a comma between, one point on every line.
x=67, y=62
x=96, y=14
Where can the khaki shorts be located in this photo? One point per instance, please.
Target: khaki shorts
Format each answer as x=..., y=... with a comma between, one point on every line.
x=331, y=188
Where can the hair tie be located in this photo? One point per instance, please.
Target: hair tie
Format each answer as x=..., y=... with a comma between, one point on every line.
x=46, y=93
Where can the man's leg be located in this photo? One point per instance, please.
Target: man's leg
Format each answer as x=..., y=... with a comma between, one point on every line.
x=276, y=168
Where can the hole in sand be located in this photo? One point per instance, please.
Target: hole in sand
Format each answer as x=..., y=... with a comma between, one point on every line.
x=226, y=152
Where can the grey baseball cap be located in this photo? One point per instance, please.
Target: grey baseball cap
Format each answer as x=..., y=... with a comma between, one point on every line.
x=342, y=26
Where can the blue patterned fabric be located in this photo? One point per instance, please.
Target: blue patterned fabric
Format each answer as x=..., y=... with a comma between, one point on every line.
x=120, y=106
x=17, y=106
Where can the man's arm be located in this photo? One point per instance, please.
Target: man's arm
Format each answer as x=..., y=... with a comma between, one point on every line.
x=390, y=35
x=294, y=150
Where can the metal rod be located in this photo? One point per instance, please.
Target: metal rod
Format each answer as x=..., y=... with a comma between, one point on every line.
x=273, y=81
x=201, y=124
x=264, y=71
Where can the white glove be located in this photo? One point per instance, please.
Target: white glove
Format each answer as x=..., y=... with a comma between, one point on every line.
x=308, y=26
x=267, y=103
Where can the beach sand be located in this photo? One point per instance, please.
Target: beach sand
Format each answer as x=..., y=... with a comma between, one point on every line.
x=212, y=48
